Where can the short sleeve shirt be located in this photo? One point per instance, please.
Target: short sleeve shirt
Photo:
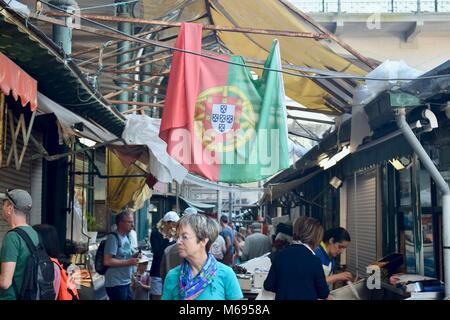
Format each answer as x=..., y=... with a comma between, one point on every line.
x=118, y=276
x=224, y=286
x=14, y=249
x=227, y=232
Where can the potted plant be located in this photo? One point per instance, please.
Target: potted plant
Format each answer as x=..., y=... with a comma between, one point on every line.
x=92, y=228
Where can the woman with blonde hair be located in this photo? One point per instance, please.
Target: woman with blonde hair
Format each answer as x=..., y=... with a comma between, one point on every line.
x=200, y=276
x=161, y=237
x=296, y=273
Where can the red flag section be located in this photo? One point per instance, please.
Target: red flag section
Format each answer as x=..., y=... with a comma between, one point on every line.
x=190, y=75
x=14, y=79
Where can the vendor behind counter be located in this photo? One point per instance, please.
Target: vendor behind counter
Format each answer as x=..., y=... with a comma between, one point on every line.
x=335, y=242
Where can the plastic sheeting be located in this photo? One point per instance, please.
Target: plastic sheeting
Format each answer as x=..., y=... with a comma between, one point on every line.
x=389, y=69
x=125, y=192
x=143, y=130
x=79, y=226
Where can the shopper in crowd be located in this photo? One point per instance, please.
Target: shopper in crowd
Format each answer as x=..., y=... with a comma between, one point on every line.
x=296, y=273
x=335, y=241
x=219, y=248
x=190, y=210
x=239, y=244
x=161, y=237
x=141, y=280
x=200, y=276
x=65, y=287
x=120, y=259
x=256, y=244
x=228, y=235
x=171, y=258
x=14, y=252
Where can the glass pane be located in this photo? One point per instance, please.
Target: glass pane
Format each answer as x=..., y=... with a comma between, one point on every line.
x=428, y=249
x=409, y=242
x=425, y=189
x=405, y=187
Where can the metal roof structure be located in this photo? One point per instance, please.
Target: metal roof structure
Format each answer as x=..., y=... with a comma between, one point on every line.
x=59, y=78
x=243, y=28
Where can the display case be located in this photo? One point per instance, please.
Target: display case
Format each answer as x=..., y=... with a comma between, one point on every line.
x=90, y=284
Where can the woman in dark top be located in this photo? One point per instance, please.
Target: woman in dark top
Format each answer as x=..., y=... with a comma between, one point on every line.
x=296, y=273
x=161, y=237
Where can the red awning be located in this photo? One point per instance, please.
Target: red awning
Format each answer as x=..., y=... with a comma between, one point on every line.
x=13, y=79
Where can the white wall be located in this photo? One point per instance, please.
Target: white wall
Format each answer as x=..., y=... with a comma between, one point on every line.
x=424, y=53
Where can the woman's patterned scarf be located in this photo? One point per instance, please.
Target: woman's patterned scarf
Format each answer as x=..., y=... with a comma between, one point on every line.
x=189, y=287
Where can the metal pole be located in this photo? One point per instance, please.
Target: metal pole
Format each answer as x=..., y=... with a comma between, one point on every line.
x=124, y=10
x=392, y=6
x=339, y=6
x=145, y=97
x=230, y=198
x=178, y=196
x=436, y=7
x=323, y=6
x=62, y=36
x=418, y=6
x=219, y=205
x=440, y=183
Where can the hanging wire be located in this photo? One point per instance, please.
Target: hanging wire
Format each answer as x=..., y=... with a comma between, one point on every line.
x=109, y=5
x=352, y=77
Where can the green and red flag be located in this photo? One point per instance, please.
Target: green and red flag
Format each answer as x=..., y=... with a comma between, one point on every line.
x=218, y=120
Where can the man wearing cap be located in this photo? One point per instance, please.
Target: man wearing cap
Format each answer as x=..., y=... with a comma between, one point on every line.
x=161, y=237
x=256, y=244
x=14, y=253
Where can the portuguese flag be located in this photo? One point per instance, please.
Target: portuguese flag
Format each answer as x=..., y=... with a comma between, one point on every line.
x=221, y=121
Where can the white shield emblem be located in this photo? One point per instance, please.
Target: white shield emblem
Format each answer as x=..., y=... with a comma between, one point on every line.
x=222, y=117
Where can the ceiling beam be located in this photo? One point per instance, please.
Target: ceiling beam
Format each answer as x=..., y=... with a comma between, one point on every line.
x=272, y=32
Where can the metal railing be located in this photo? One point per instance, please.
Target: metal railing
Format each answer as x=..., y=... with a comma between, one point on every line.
x=372, y=6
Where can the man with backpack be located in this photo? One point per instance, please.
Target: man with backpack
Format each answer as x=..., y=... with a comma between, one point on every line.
x=26, y=271
x=119, y=259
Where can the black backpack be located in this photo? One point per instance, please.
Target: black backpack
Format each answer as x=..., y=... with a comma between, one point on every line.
x=39, y=272
x=100, y=254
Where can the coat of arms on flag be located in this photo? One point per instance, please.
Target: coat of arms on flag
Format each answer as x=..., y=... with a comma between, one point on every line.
x=222, y=117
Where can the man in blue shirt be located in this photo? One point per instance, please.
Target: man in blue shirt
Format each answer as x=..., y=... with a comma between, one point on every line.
x=120, y=260
x=228, y=235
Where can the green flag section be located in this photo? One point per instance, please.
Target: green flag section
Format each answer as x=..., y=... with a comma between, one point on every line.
x=218, y=120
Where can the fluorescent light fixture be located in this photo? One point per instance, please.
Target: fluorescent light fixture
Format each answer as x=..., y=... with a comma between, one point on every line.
x=397, y=164
x=335, y=182
x=328, y=163
x=87, y=142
